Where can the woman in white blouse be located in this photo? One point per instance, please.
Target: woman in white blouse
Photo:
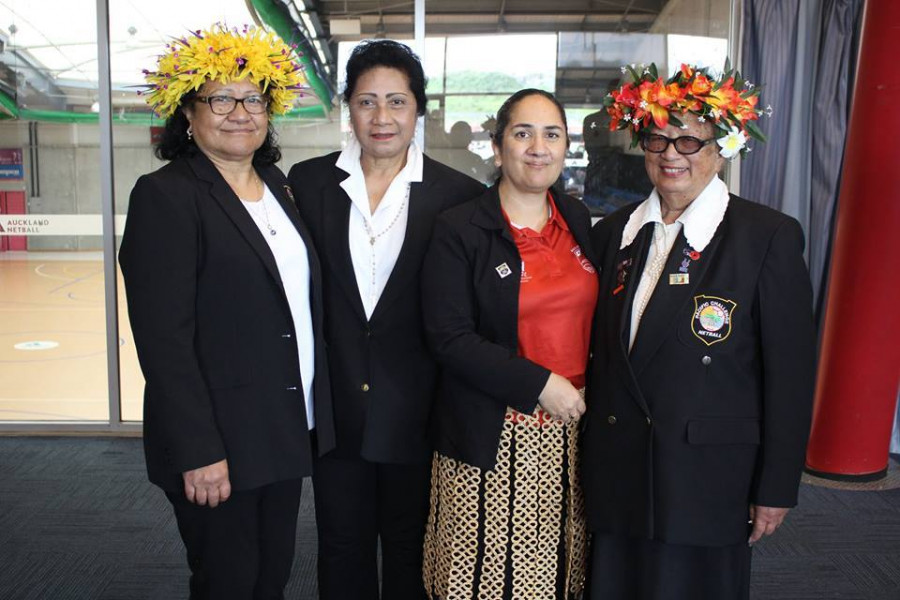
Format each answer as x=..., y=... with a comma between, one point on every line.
x=371, y=209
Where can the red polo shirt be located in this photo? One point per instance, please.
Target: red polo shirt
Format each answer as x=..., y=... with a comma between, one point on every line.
x=557, y=296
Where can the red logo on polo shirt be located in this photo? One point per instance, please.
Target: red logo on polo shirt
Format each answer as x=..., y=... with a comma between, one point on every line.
x=585, y=263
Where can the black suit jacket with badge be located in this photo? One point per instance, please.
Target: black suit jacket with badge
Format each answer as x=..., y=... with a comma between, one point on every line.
x=214, y=332
x=710, y=410
x=384, y=377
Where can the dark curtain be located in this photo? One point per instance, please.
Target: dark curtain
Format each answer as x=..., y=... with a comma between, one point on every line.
x=841, y=23
x=804, y=52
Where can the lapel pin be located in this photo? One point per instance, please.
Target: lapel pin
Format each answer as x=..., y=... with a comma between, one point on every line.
x=503, y=270
x=290, y=194
x=679, y=278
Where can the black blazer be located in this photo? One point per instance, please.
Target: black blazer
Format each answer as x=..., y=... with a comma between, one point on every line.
x=472, y=320
x=696, y=423
x=383, y=375
x=214, y=332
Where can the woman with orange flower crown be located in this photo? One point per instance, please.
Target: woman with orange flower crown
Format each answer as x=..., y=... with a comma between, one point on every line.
x=701, y=378
x=224, y=298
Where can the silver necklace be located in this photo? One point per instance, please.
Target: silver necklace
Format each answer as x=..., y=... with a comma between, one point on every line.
x=374, y=236
x=264, y=214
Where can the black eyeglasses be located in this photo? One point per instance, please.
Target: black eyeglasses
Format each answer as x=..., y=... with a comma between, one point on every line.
x=225, y=105
x=653, y=142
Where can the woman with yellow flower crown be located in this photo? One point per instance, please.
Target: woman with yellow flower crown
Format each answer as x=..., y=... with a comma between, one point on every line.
x=224, y=298
x=701, y=376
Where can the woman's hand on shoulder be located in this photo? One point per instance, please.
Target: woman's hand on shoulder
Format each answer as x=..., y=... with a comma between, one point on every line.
x=560, y=398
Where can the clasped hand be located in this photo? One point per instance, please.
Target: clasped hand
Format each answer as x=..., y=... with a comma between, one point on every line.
x=561, y=400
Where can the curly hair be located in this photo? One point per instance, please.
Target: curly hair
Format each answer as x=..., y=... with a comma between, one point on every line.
x=393, y=55
x=175, y=143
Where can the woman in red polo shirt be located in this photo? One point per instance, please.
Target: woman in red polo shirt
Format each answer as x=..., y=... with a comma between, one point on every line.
x=509, y=288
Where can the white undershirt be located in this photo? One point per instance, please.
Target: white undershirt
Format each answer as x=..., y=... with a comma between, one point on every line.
x=700, y=220
x=388, y=222
x=292, y=260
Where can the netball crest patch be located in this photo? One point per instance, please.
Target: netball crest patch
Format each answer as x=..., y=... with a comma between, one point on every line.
x=711, y=321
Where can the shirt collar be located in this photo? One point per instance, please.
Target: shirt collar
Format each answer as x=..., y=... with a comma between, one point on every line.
x=700, y=219
x=554, y=219
x=348, y=161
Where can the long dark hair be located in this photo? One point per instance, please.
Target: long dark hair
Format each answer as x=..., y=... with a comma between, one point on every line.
x=393, y=55
x=174, y=142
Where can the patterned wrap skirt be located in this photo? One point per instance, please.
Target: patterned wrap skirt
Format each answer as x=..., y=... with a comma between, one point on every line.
x=516, y=531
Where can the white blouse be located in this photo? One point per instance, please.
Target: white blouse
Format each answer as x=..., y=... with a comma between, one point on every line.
x=292, y=260
x=376, y=237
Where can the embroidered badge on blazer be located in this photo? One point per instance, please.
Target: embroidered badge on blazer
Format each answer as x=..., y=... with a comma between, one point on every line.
x=711, y=320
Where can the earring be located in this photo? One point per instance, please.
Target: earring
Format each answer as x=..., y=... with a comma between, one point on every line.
x=190, y=132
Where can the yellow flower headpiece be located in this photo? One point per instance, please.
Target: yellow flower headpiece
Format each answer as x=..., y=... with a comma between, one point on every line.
x=222, y=54
x=728, y=101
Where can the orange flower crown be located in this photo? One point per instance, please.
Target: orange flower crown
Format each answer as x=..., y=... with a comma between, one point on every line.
x=225, y=54
x=729, y=102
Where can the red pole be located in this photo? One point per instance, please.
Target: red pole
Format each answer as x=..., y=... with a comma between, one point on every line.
x=859, y=366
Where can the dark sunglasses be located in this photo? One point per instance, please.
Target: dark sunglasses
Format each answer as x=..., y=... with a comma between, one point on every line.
x=688, y=144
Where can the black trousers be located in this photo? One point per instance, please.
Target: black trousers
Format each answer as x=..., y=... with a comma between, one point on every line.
x=623, y=568
x=244, y=548
x=358, y=502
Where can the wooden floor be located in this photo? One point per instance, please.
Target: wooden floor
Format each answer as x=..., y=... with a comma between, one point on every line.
x=53, y=340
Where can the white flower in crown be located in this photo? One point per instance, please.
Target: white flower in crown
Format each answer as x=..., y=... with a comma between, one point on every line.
x=643, y=104
x=732, y=143
x=623, y=69
x=701, y=119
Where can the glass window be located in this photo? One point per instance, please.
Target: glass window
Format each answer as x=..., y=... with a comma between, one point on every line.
x=53, y=327
x=52, y=316
x=580, y=67
x=139, y=32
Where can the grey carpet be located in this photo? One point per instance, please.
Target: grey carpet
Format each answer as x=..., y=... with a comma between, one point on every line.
x=78, y=520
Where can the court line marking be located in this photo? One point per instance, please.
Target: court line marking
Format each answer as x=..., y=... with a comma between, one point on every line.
x=61, y=416
x=74, y=281
x=38, y=270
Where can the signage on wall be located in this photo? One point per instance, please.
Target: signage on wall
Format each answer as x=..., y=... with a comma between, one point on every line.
x=11, y=166
x=156, y=134
x=42, y=225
